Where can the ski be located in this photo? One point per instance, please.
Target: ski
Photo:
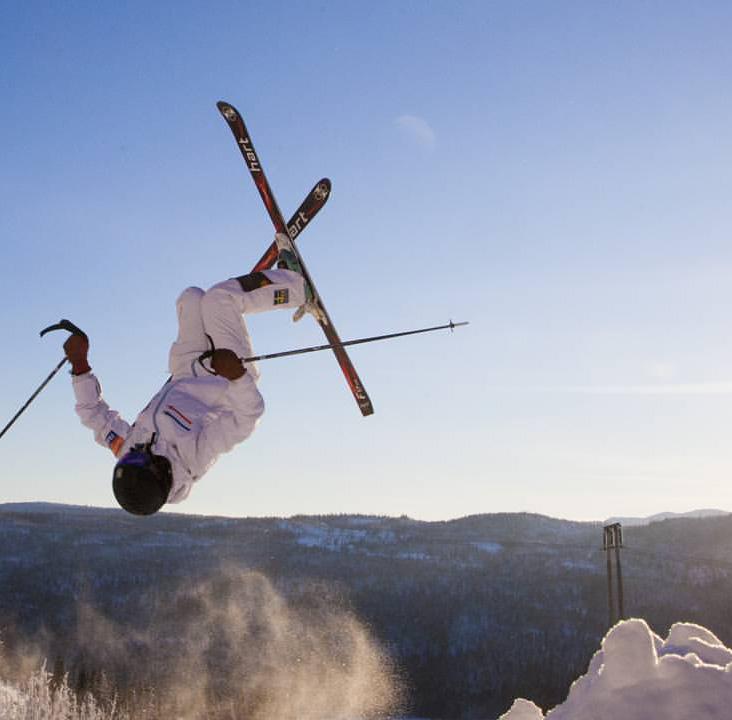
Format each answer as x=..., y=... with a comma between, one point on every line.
x=309, y=208
x=241, y=135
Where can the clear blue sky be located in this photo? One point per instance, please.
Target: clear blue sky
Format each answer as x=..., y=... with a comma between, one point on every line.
x=558, y=173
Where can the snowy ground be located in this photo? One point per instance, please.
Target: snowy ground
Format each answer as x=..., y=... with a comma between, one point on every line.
x=636, y=675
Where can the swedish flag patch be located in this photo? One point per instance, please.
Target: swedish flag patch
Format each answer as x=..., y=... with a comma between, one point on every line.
x=281, y=297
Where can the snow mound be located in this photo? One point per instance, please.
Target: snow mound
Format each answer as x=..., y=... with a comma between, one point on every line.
x=636, y=675
x=523, y=710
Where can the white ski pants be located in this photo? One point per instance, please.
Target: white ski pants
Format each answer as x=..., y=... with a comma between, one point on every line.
x=217, y=313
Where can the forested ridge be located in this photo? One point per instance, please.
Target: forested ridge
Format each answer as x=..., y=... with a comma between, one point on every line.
x=473, y=612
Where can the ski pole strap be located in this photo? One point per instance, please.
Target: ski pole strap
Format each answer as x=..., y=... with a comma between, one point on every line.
x=208, y=354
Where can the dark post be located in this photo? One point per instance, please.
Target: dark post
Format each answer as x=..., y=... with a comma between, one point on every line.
x=612, y=539
x=618, y=545
x=610, y=602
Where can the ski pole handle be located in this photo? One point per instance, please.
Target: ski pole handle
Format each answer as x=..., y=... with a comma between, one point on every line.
x=64, y=325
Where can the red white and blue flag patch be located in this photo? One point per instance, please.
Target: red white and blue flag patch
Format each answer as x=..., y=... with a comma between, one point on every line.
x=178, y=417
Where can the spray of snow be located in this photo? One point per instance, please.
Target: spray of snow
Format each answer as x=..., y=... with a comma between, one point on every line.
x=231, y=646
x=636, y=675
x=238, y=644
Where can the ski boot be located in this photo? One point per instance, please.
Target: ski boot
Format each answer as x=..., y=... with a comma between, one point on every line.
x=287, y=259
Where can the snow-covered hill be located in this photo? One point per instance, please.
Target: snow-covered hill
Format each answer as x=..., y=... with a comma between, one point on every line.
x=659, y=517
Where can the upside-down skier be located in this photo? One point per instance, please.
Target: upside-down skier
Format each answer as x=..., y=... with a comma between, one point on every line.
x=210, y=403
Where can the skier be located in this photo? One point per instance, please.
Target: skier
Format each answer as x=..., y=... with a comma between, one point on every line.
x=210, y=403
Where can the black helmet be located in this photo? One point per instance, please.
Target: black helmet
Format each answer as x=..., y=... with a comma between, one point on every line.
x=142, y=480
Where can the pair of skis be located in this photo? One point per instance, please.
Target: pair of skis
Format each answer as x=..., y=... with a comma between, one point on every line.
x=314, y=201
x=309, y=208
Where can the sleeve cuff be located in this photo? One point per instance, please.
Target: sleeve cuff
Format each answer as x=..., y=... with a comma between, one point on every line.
x=86, y=387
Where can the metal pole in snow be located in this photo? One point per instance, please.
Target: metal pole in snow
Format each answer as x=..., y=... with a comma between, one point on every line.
x=607, y=543
x=618, y=545
x=613, y=540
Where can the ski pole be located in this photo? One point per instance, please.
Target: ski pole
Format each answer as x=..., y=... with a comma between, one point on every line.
x=316, y=348
x=62, y=325
x=32, y=397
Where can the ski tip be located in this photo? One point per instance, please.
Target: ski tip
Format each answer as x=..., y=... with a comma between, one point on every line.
x=322, y=189
x=229, y=112
x=367, y=410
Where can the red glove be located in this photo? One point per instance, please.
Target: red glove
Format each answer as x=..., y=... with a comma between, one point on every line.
x=76, y=349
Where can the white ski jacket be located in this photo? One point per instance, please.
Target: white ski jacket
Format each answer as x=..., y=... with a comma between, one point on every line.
x=195, y=419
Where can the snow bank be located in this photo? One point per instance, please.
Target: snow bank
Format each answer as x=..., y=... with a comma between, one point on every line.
x=636, y=675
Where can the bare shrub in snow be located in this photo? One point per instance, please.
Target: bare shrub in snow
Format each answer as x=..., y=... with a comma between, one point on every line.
x=39, y=698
